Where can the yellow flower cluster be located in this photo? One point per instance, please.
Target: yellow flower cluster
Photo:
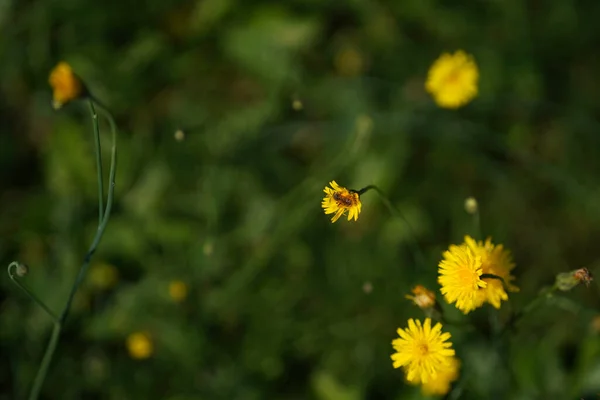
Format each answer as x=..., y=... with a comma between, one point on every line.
x=476, y=273
x=470, y=274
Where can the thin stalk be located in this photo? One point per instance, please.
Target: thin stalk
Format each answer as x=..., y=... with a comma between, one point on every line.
x=417, y=252
x=43, y=369
x=50, y=349
x=477, y=224
x=543, y=295
x=98, y=149
x=32, y=296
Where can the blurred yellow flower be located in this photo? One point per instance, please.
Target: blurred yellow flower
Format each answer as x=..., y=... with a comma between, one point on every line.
x=495, y=261
x=178, y=290
x=103, y=276
x=139, y=345
x=65, y=84
x=452, y=79
x=422, y=351
x=338, y=200
x=442, y=383
x=422, y=297
x=460, y=277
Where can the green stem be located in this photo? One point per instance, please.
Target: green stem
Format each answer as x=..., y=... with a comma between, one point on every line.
x=492, y=276
x=32, y=296
x=98, y=149
x=477, y=225
x=417, y=252
x=42, y=371
x=48, y=355
x=543, y=295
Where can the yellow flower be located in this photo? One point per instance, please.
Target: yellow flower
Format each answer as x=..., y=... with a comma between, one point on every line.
x=495, y=261
x=422, y=351
x=103, y=276
x=422, y=297
x=452, y=79
x=460, y=277
x=65, y=84
x=139, y=345
x=441, y=385
x=339, y=200
x=178, y=291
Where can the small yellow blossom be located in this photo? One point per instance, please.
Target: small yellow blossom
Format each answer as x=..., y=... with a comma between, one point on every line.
x=495, y=260
x=139, y=345
x=338, y=200
x=422, y=351
x=178, y=290
x=103, y=276
x=453, y=79
x=65, y=84
x=460, y=277
x=422, y=297
x=442, y=383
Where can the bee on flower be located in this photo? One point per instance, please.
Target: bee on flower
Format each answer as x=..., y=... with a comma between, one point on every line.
x=453, y=80
x=339, y=200
x=66, y=85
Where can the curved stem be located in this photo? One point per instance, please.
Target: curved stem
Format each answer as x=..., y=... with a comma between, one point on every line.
x=543, y=295
x=418, y=253
x=98, y=149
x=32, y=296
x=492, y=276
x=102, y=226
x=59, y=323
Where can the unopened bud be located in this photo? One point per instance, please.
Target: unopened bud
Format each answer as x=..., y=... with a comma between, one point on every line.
x=422, y=297
x=471, y=205
x=21, y=270
x=297, y=105
x=566, y=281
x=179, y=135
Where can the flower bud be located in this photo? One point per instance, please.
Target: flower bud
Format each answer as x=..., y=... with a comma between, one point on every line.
x=66, y=86
x=566, y=281
x=22, y=270
x=422, y=297
x=471, y=206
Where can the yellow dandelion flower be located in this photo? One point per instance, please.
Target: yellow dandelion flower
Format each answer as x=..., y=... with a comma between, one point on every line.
x=422, y=297
x=422, y=351
x=460, y=277
x=442, y=383
x=178, y=290
x=65, y=84
x=453, y=79
x=338, y=200
x=139, y=345
x=495, y=260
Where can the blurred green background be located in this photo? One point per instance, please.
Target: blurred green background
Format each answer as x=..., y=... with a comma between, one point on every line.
x=274, y=100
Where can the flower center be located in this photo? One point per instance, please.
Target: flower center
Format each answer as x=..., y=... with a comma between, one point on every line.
x=422, y=349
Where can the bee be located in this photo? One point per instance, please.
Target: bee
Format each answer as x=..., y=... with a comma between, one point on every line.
x=346, y=201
